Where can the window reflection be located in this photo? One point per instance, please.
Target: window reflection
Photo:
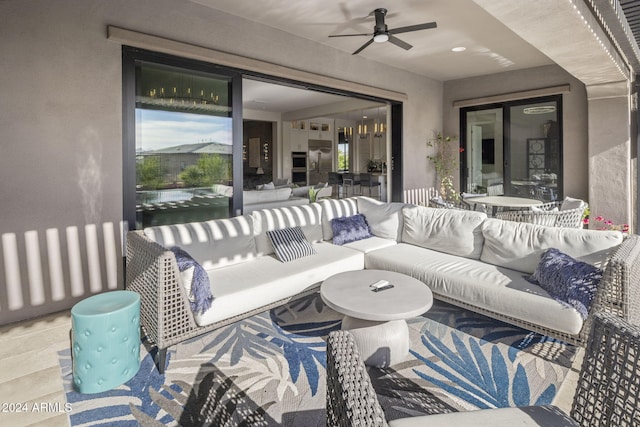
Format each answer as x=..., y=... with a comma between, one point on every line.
x=183, y=146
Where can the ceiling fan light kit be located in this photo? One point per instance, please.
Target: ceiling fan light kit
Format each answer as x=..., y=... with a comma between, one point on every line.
x=381, y=33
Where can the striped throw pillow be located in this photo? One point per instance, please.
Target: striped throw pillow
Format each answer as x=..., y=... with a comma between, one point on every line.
x=290, y=243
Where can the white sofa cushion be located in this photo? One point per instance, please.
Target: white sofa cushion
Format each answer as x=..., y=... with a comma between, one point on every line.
x=262, y=196
x=519, y=245
x=223, y=190
x=529, y=416
x=570, y=203
x=242, y=288
x=213, y=244
x=474, y=282
x=452, y=231
x=307, y=217
x=385, y=219
x=332, y=208
x=370, y=244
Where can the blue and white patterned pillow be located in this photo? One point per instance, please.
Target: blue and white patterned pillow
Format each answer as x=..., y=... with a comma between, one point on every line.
x=290, y=243
x=567, y=280
x=348, y=229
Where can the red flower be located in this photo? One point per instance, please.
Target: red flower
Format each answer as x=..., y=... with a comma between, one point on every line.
x=461, y=150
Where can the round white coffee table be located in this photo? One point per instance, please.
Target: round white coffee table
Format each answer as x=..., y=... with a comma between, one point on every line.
x=377, y=319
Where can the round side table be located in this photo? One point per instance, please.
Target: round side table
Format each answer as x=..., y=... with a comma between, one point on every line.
x=105, y=340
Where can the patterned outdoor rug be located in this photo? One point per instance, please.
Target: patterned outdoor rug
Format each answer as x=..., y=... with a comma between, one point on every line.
x=269, y=370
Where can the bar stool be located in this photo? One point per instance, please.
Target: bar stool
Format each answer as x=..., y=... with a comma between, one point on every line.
x=367, y=181
x=335, y=180
x=349, y=182
x=105, y=330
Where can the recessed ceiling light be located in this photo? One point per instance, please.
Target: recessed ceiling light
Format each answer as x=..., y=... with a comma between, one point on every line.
x=459, y=49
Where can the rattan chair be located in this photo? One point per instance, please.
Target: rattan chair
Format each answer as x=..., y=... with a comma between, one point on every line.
x=607, y=393
x=548, y=214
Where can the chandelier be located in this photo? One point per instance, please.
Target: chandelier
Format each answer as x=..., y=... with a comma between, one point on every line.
x=378, y=127
x=186, y=97
x=362, y=128
x=348, y=133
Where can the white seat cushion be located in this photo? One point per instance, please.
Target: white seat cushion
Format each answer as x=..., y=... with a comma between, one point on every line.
x=370, y=244
x=530, y=416
x=477, y=283
x=240, y=289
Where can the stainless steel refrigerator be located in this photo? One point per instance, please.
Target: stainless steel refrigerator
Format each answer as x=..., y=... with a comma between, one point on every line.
x=320, y=160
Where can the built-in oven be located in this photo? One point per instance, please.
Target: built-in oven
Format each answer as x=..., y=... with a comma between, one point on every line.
x=299, y=160
x=299, y=167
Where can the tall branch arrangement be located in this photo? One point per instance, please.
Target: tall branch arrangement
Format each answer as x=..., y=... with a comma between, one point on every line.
x=445, y=161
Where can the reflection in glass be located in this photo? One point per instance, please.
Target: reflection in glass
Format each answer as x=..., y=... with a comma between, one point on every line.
x=485, y=172
x=183, y=146
x=535, y=150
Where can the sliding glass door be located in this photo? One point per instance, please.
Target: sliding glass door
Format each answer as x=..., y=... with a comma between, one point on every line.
x=181, y=158
x=514, y=148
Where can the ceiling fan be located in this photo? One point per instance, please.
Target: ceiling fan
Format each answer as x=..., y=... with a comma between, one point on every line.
x=382, y=34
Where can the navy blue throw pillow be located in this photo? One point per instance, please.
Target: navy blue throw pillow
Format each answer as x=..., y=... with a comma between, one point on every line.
x=567, y=280
x=199, y=290
x=348, y=229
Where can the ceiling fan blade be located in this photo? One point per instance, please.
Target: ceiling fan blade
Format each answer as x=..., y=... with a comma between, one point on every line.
x=400, y=43
x=362, y=47
x=418, y=27
x=351, y=35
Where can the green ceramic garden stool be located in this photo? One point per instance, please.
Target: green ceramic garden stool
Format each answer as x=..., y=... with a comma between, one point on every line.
x=105, y=340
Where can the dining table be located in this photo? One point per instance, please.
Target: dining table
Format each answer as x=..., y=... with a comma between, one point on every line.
x=505, y=202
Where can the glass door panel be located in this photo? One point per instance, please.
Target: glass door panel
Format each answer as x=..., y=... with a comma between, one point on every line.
x=534, y=147
x=183, y=145
x=484, y=151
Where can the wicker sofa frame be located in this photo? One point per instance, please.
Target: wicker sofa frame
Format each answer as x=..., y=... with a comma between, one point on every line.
x=606, y=393
x=165, y=316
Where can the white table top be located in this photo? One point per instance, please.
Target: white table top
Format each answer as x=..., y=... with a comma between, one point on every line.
x=507, y=201
x=349, y=293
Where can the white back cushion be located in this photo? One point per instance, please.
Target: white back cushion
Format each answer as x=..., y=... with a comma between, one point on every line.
x=307, y=217
x=571, y=203
x=519, y=245
x=213, y=244
x=332, y=208
x=384, y=219
x=262, y=196
x=451, y=231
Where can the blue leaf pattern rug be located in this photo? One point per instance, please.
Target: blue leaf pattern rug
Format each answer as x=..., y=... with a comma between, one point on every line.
x=269, y=370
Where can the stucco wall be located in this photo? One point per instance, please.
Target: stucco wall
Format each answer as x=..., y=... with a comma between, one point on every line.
x=61, y=121
x=574, y=104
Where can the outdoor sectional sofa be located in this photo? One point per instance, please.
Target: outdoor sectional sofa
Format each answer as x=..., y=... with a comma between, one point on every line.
x=465, y=258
